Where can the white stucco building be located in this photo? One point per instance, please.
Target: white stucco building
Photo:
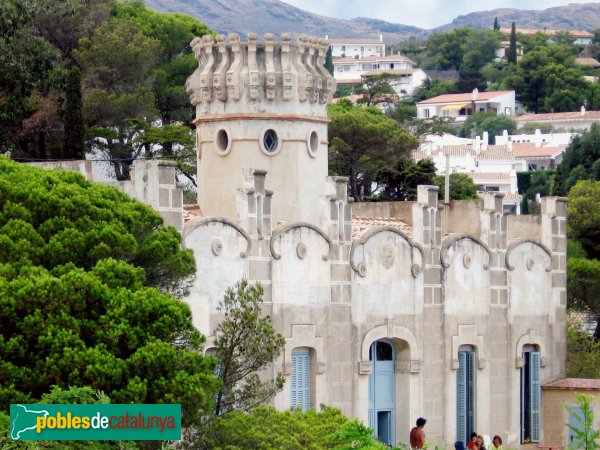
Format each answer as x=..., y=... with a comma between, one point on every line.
x=390, y=311
x=356, y=48
x=461, y=106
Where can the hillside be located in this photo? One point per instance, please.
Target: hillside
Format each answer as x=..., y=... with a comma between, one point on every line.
x=261, y=16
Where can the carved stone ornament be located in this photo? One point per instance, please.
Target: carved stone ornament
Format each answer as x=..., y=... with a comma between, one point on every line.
x=530, y=262
x=415, y=269
x=216, y=246
x=362, y=269
x=301, y=250
x=467, y=260
x=386, y=256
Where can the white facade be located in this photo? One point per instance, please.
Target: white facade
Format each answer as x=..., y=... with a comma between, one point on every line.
x=460, y=106
x=356, y=48
x=567, y=121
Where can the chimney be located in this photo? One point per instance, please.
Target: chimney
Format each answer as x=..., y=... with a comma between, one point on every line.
x=381, y=38
x=477, y=144
x=537, y=138
x=485, y=138
x=326, y=37
x=582, y=110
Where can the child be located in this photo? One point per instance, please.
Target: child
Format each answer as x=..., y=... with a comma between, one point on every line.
x=496, y=443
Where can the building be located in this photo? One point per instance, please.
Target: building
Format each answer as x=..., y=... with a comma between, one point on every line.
x=503, y=49
x=568, y=121
x=560, y=408
x=580, y=37
x=461, y=106
x=356, y=48
x=392, y=312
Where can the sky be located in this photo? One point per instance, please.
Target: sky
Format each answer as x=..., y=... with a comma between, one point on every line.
x=420, y=13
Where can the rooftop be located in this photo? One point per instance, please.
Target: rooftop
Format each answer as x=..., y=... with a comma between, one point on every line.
x=572, y=115
x=360, y=224
x=529, y=150
x=464, y=98
x=574, y=383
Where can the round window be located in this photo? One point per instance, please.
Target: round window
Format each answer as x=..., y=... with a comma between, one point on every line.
x=270, y=143
x=312, y=143
x=222, y=142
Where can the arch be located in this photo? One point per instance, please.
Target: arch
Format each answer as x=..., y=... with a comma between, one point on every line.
x=514, y=245
x=451, y=240
x=372, y=232
x=530, y=338
x=392, y=332
x=281, y=231
x=201, y=221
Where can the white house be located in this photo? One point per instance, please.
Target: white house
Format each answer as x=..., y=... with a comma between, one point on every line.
x=503, y=48
x=461, y=106
x=356, y=48
x=575, y=120
x=349, y=69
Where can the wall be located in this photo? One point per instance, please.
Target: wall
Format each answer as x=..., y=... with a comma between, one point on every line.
x=555, y=415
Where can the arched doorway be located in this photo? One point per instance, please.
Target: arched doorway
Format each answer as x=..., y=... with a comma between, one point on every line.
x=382, y=411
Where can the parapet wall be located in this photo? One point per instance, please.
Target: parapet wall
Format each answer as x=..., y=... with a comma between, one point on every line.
x=260, y=77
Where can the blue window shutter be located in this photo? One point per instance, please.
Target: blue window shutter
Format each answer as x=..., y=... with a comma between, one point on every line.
x=301, y=379
x=461, y=397
x=535, y=395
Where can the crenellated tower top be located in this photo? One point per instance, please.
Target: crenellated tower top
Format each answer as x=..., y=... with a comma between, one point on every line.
x=263, y=77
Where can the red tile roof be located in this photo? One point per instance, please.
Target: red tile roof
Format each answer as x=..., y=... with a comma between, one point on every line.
x=497, y=152
x=463, y=98
x=360, y=224
x=574, y=383
x=529, y=150
x=590, y=62
x=572, y=115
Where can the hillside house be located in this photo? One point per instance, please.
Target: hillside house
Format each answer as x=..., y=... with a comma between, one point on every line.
x=356, y=48
x=461, y=106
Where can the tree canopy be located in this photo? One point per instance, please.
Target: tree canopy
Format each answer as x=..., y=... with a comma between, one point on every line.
x=81, y=266
x=363, y=143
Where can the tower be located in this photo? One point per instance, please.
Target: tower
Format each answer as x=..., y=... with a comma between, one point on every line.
x=261, y=106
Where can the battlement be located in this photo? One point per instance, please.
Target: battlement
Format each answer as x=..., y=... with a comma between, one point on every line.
x=262, y=77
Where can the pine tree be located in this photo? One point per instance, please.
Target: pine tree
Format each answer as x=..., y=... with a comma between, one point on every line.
x=496, y=25
x=329, y=60
x=512, y=49
x=74, y=138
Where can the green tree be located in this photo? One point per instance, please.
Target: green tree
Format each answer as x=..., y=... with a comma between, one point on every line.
x=329, y=60
x=79, y=267
x=479, y=49
x=400, y=182
x=512, y=49
x=461, y=187
x=584, y=216
x=445, y=50
x=376, y=89
x=583, y=352
x=579, y=161
x=245, y=342
x=496, y=25
x=585, y=434
x=363, y=143
x=74, y=136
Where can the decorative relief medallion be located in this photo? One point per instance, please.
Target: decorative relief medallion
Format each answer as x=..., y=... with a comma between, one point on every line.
x=362, y=269
x=301, y=250
x=467, y=260
x=415, y=270
x=386, y=256
x=530, y=263
x=216, y=246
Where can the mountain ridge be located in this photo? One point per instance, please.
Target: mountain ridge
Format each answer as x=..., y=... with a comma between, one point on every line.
x=275, y=16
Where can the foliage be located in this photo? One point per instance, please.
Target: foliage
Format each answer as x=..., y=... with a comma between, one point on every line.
x=479, y=50
x=295, y=430
x=74, y=134
x=585, y=435
x=512, y=49
x=329, y=60
x=461, y=186
x=532, y=183
x=584, y=216
x=580, y=161
x=377, y=89
x=583, y=283
x=531, y=127
x=432, y=88
x=77, y=265
x=583, y=353
x=245, y=342
x=491, y=122
x=363, y=143
x=400, y=182
x=546, y=79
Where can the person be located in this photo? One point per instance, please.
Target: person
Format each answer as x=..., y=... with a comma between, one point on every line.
x=480, y=443
x=417, y=435
x=496, y=443
x=473, y=441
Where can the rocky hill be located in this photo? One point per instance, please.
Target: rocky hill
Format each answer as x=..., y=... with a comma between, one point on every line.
x=261, y=16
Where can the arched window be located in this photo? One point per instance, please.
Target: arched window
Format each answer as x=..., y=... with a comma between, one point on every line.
x=301, y=379
x=531, y=394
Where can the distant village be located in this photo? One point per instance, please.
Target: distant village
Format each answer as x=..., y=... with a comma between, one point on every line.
x=492, y=162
